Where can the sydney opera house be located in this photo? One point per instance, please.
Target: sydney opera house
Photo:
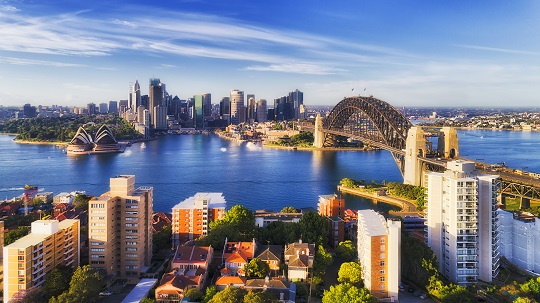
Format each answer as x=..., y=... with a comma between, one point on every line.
x=103, y=143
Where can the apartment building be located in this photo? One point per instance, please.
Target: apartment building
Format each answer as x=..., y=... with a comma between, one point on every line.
x=26, y=261
x=192, y=217
x=379, y=253
x=120, y=229
x=462, y=222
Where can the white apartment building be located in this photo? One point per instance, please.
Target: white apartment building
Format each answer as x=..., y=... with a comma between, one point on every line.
x=462, y=222
x=520, y=239
x=379, y=253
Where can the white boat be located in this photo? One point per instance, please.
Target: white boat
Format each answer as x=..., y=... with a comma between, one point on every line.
x=143, y=145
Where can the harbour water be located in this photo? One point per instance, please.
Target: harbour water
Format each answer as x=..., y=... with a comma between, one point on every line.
x=178, y=166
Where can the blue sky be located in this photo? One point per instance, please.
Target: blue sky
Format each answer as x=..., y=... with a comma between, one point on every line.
x=409, y=53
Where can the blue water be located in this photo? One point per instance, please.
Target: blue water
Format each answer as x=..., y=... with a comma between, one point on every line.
x=259, y=178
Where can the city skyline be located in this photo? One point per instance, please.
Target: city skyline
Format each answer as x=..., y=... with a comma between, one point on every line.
x=417, y=54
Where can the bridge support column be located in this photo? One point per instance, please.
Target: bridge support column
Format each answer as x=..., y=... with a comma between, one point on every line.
x=448, y=143
x=525, y=203
x=503, y=200
x=415, y=146
x=318, y=134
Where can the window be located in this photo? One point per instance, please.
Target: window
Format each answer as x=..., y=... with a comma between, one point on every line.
x=381, y=279
x=97, y=249
x=382, y=263
x=383, y=256
x=382, y=271
x=383, y=287
x=383, y=247
x=383, y=240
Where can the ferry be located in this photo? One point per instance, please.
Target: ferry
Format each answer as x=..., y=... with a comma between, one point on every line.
x=30, y=187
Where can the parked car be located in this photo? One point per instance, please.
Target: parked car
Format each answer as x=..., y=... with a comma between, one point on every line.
x=423, y=296
x=402, y=286
x=410, y=289
x=106, y=293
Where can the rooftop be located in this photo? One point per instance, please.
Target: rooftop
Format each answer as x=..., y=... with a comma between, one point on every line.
x=215, y=200
x=372, y=222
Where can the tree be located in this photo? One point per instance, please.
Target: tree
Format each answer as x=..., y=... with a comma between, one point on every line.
x=347, y=293
x=256, y=268
x=194, y=295
x=81, y=201
x=531, y=288
x=313, y=228
x=84, y=287
x=147, y=300
x=524, y=300
x=322, y=260
x=418, y=261
x=302, y=291
x=15, y=234
x=289, y=210
x=347, y=182
x=229, y=295
x=57, y=281
x=240, y=219
x=350, y=272
x=210, y=292
x=162, y=239
x=259, y=297
x=346, y=250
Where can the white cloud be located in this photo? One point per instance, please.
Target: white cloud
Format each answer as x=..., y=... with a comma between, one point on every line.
x=124, y=22
x=298, y=68
x=168, y=66
x=500, y=50
x=21, y=61
x=8, y=9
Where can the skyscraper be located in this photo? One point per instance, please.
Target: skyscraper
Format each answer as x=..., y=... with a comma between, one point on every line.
x=91, y=109
x=103, y=108
x=250, y=108
x=160, y=117
x=462, y=222
x=262, y=111
x=135, y=96
x=207, y=107
x=113, y=107
x=297, y=99
x=237, y=107
x=120, y=229
x=225, y=108
x=198, y=112
x=155, y=96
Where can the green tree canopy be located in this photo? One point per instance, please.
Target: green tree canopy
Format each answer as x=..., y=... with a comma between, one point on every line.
x=241, y=219
x=194, y=295
x=15, y=234
x=323, y=259
x=229, y=295
x=347, y=293
x=57, y=281
x=418, y=261
x=524, y=300
x=256, y=268
x=313, y=228
x=346, y=250
x=347, y=182
x=531, y=288
x=288, y=210
x=259, y=297
x=209, y=294
x=84, y=287
x=350, y=272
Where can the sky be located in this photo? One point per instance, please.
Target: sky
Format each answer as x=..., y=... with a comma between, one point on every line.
x=408, y=53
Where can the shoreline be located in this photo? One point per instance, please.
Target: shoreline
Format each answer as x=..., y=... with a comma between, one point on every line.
x=58, y=143
x=405, y=205
x=315, y=148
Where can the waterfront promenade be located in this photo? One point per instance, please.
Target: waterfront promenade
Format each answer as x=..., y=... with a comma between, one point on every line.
x=405, y=205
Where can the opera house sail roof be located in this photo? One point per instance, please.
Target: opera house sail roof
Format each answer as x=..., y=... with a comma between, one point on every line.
x=104, y=142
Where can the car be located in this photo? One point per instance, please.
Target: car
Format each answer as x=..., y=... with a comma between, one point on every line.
x=402, y=286
x=423, y=296
x=410, y=289
x=106, y=293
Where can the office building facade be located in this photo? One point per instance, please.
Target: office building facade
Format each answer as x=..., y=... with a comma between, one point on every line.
x=155, y=97
x=28, y=260
x=120, y=229
x=462, y=222
x=237, y=107
x=198, y=112
x=134, y=97
x=379, y=253
x=191, y=218
x=262, y=111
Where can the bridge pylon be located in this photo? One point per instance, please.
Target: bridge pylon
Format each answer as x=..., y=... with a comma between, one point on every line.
x=415, y=147
x=447, y=145
x=318, y=134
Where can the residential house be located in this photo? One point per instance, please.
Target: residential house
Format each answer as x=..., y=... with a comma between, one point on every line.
x=174, y=286
x=232, y=281
x=271, y=254
x=192, y=257
x=299, y=258
x=283, y=290
x=237, y=254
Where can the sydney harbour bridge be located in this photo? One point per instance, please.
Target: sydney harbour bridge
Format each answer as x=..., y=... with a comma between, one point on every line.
x=378, y=124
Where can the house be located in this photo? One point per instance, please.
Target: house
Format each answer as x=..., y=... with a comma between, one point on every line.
x=9, y=209
x=299, y=258
x=271, y=254
x=232, y=281
x=265, y=217
x=173, y=287
x=237, y=254
x=192, y=257
x=283, y=290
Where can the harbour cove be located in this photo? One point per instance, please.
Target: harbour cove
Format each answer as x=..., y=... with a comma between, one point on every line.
x=178, y=166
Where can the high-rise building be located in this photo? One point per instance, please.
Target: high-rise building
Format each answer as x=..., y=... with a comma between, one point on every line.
x=297, y=99
x=122, y=106
x=225, y=108
x=379, y=253
x=198, y=121
x=113, y=107
x=155, y=96
x=103, y=108
x=29, y=111
x=28, y=260
x=207, y=107
x=331, y=205
x=261, y=110
x=135, y=96
x=160, y=117
x=250, y=117
x=520, y=239
x=91, y=109
x=191, y=218
x=462, y=222
x=120, y=229
x=237, y=107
